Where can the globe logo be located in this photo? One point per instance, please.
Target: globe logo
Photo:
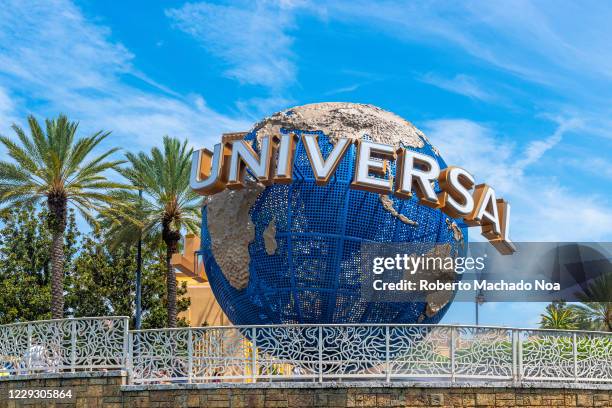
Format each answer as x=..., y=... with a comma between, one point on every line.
x=291, y=253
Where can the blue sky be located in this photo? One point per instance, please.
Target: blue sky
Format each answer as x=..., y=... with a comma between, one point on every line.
x=517, y=93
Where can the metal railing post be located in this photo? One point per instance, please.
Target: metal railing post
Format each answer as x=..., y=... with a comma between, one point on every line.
x=73, y=344
x=575, y=355
x=519, y=357
x=387, y=356
x=320, y=354
x=514, y=345
x=190, y=356
x=29, y=349
x=254, y=354
x=451, y=349
x=129, y=358
x=127, y=350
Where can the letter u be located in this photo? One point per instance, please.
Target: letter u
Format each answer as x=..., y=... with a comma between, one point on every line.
x=208, y=172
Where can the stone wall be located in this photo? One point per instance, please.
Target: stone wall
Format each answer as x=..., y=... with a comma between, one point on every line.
x=109, y=389
x=88, y=389
x=364, y=395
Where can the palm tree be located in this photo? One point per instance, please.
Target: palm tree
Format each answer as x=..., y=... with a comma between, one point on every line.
x=558, y=316
x=596, y=315
x=167, y=206
x=51, y=166
x=596, y=301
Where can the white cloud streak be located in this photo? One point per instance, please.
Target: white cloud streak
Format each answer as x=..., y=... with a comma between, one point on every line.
x=529, y=38
x=537, y=148
x=560, y=47
x=474, y=146
x=460, y=84
x=251, y=38
x=64, y=63
x=7, y=111
x=542, y=210
x=344, y=89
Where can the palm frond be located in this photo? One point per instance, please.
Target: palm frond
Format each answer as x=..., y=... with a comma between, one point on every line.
x=54, y=161
x=18, y=154
x=163, y=176
x=14, y=173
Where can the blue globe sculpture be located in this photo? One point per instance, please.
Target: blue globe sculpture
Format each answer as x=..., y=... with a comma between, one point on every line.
x=291, y=253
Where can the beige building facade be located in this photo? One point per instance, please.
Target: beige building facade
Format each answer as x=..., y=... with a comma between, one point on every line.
x=204, y=309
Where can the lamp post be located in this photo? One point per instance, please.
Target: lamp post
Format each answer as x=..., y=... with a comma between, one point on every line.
x=139, y=275
x=478, y=301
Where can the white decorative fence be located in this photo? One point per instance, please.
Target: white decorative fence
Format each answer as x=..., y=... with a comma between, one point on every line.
x=64, y=345
x=376, y=352
x=316, y=353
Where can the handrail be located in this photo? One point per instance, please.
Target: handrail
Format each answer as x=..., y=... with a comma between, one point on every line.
x=65, y=319
x=382, y=325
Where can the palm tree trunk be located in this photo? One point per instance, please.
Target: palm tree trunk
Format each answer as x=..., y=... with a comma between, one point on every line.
x=171, y=285
x=57, y=203
x=171, y=238
x=57, y=275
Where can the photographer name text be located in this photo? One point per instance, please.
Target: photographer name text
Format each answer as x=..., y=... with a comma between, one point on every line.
x=437, y=285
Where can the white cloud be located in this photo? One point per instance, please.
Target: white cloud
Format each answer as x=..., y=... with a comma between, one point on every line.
x=7, y=111
x=537, y=148
x=545, y=43
x=545, y=211
x=251, y=38
x=532, y=38
x=595, y=166
x=64, y=63
x=460, y=25
x=489, y=155
x=344, y=89
x=460, y=84
x=474, y=146
x=561, y=48
x=542, y=210
x=254, y=108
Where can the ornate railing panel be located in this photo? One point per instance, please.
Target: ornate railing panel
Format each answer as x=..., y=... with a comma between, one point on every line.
x=593, y=356
x=285, y=351
x=483, y=353
x=547, y=354
x=161, y=356
x=66, y=344
x=419, y=351
x=566, y=355
x=221, y=351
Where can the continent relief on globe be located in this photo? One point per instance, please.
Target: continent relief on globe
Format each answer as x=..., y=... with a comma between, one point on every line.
x=435, y=300
x=229, y=223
